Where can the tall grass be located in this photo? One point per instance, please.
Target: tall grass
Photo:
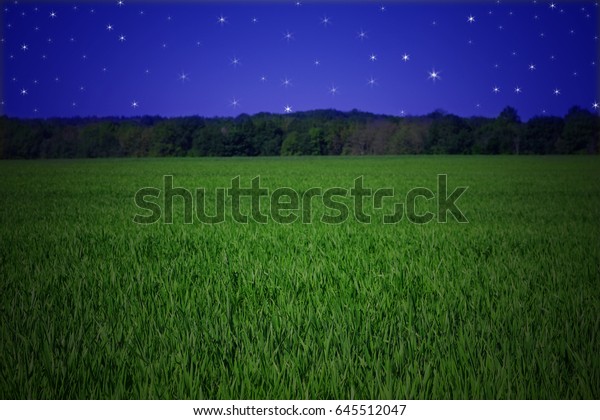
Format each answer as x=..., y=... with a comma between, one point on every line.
x=95, y=306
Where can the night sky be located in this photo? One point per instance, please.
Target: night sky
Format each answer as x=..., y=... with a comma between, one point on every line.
x=128, y=58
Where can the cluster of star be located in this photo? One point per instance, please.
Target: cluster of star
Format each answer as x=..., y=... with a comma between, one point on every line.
x=363, y=42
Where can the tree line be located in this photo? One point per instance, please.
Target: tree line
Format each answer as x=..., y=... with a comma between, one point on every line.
x=325, y=132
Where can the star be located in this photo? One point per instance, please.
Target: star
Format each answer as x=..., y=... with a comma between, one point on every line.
x=595, y=105
x=74, y=104
x=222, y=20
x=23, y=92
x=434, y=75
x=556, y=92
x=496, y=89
x=287, y=109
x=53, y=14
x=184, y=77
x=234, y=103
x=552, y=6
x=318, y=19
x=382, y=8
x=402, y=113
x=120, y=3
x=134, y=104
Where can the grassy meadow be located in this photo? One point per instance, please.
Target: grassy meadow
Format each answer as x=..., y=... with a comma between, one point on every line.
x=95, y=306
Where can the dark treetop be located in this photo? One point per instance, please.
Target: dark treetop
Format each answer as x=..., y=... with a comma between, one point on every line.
x=306, y=133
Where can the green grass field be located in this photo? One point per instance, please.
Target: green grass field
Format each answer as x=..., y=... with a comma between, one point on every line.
x=94, y=306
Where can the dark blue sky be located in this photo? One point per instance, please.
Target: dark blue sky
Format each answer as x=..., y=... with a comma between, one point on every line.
x=172, y=59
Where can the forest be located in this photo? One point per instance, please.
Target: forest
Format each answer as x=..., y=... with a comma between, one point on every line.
x=322, y=132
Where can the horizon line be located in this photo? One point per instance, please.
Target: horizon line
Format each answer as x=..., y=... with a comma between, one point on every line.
x=283, y=114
